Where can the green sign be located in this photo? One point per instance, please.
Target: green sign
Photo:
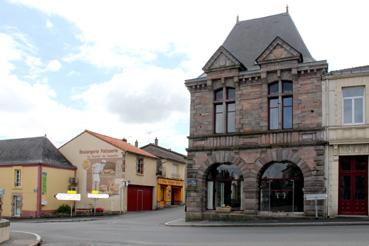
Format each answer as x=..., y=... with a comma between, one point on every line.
x=44, y=182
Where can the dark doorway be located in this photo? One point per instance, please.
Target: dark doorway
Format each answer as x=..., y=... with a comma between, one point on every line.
x=353, y=185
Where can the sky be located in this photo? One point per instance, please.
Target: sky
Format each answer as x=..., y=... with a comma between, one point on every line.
x=118, y=67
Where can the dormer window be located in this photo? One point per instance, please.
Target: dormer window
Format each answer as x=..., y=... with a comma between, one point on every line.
x=224, y=110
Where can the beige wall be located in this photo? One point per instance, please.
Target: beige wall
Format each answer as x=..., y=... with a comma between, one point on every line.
x=57, y=182
x=175, y=170
x=77, y=152
x=343, y=139
x=28, y=188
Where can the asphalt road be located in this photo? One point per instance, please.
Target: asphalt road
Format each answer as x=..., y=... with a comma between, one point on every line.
x=147, y=228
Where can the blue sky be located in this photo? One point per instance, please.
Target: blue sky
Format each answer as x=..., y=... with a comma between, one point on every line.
x=119, y=68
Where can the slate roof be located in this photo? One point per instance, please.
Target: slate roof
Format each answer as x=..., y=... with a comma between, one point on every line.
x=119, y=143
x=249, y=38
x=164, y=153
x=28, y=151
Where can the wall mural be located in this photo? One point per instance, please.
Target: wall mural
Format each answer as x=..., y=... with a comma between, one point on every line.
x=105, y=170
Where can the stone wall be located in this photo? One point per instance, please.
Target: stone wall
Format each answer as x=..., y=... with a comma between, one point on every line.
x=4, y=230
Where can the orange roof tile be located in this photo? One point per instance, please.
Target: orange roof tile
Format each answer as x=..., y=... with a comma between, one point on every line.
x=121, y=144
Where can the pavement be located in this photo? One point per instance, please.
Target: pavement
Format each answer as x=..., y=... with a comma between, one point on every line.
x=22, y=238
x=272, y=222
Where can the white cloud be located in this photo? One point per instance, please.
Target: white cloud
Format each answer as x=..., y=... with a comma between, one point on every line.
x=49, y=24
x=53, y=66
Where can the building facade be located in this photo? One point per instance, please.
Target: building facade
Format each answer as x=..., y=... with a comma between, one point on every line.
x=171, y=175
x=32, y=171
x=256, y=143
x=106, y=164
x=345, y=113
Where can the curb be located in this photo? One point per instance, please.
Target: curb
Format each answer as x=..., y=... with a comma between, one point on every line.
x=182, y=223
x=38, y=239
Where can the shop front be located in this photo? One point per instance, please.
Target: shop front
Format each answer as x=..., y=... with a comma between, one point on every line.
x=170, y=192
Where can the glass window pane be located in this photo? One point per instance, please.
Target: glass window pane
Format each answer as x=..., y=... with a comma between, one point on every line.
x=287, y=101
x=353, y=91
x=231, y=122
x=287, y=117
x=219, y=124
x=359, y=112
x=360, y=188
x=273, y=103
x=218, y=95
x=273, y=88
x=287, y=86
x=347, y=111
x=273, y=118
x=230, y=94
x=345, y=187
x=361, y=163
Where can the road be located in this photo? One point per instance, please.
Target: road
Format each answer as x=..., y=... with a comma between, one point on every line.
x=147, y=228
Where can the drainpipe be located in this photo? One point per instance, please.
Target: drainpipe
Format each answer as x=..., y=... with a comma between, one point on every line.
x=326, y=158
x=39, y=191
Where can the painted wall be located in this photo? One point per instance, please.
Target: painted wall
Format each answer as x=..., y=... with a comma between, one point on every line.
x=27, y=190
x=87, y=151
x=57, y=181
x=343, y=139
x=175, y=170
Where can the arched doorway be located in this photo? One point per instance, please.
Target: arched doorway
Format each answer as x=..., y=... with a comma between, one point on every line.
x=224, y=186
x=281, y=188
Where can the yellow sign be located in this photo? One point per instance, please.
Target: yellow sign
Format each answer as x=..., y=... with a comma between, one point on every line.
x=170, y=182
x=71, y=192
x=95, y=192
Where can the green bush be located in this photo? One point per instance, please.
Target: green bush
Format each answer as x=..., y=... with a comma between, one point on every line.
x=63, y=209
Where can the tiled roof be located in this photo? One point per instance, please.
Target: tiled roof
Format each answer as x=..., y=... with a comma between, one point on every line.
x=30, y=151
x=249, y=38
x=119, y=143
x=164, y=153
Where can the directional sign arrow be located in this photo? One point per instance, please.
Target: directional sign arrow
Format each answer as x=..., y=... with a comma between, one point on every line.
x=68, y=197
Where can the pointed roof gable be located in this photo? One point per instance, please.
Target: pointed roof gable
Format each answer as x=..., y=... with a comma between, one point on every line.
x=279, y=50
x=37, y=150
x=120, y=144
x=221, y=59
x=248, y=39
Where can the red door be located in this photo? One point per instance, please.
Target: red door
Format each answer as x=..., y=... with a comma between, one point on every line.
x=139, y=198
x=353, y=185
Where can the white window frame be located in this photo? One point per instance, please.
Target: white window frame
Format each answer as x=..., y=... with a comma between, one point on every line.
x=353, y=106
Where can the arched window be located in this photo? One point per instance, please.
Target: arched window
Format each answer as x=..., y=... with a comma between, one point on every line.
x=224, y=110
x=224, y=186
x=281, y=188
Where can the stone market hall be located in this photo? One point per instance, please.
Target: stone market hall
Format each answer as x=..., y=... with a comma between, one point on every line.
x=256, y=142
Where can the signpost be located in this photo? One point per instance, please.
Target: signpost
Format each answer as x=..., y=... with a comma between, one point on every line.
x=70, y=196
x=96, y=195
x=316, y=197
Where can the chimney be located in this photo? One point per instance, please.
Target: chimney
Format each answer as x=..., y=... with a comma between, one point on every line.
x=156, y=141
x=136, y=143
x=124, y=140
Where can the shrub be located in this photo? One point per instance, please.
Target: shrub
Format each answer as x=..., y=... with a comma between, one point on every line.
x=63, y=209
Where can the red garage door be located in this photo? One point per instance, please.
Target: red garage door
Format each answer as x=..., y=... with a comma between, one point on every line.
x=139, y=198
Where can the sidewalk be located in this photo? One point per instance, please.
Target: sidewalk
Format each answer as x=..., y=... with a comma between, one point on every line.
x=22, y=238
x=340, y=221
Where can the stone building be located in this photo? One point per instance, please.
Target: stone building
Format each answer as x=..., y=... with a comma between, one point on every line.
x=345, y=114
x=256, y=142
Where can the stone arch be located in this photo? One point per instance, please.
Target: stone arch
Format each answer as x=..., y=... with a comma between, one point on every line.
x=214, y=158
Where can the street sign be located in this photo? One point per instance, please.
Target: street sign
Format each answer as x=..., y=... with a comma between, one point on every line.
x=68, y=197
x=97, y=196
x=311, y=197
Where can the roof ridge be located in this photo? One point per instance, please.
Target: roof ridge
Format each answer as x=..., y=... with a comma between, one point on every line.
x=12, y=139
x=163, y=148
x=264, y=17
